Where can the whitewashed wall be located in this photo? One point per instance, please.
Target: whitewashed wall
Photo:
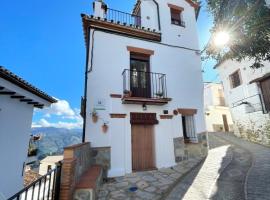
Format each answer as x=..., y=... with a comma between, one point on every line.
x=213, y=110
x=15, y=124
x=15, y=131
x=184, y=85
x=244, y=121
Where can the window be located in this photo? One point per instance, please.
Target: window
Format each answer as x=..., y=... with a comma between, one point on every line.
x=176, y=15
x=235, y=79
x=188, y=127
x=265, y=88
x=140, y=84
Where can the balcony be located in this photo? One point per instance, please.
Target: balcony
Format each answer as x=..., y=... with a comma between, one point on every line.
x=140, y=87
x=124, y=18
x=119, y=22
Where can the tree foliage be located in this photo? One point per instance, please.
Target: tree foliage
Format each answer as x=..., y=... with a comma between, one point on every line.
x=248, y=24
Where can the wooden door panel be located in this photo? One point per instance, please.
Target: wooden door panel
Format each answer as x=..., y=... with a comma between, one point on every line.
x=265, y=87
x=142, y=147
x=225, y=122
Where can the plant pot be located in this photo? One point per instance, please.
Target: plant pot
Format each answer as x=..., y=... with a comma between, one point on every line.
x=127, y=94
x=94, y=118
x=104, y=128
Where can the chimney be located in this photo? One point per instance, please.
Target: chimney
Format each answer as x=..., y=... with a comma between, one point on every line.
x=100, y=9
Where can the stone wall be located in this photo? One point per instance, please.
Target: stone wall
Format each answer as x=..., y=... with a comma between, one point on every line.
x=255, y=128
x=77, y=159
x=184, y=151
x=102, y=156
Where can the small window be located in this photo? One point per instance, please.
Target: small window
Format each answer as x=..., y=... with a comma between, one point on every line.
x=176, y=17
x=235, y=79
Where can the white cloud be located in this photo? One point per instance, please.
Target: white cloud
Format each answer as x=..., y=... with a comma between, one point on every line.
x=63, y=116
x=60, y=124
x=61, y=108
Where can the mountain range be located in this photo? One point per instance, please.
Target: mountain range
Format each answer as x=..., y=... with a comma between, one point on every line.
x=53, y=140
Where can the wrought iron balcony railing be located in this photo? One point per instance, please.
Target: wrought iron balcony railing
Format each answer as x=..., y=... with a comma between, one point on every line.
x=144, y=84
x=120, y=17
x=46, y=187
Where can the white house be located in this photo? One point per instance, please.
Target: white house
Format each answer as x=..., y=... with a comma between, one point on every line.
x=217, y=113
x=144, y=87
x=18, y=99
x=49, y=163
x=247, y=93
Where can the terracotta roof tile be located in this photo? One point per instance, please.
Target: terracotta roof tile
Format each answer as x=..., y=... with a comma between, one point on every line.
x=13, y=78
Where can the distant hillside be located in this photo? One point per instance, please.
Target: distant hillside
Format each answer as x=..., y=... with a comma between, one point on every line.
x=54, y=140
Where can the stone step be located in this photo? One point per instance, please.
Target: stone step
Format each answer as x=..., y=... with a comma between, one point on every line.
x=89, y=184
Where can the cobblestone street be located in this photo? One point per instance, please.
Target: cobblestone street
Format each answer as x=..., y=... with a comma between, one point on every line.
x=150, y=185
x=241, y=173
x=235, y=169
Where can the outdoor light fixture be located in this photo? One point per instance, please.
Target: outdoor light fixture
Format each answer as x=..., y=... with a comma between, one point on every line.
x=221, y=38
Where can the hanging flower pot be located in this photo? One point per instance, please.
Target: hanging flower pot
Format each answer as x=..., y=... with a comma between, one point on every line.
x=105, y=128
x=94, y=117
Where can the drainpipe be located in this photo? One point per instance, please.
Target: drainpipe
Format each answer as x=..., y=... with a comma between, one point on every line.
x=159, y=26
x=85, y=85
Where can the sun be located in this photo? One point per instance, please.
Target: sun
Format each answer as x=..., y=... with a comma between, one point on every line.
x=221, y=38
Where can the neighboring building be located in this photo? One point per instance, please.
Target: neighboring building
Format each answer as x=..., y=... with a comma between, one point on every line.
x=17, y=102
x=144, y=85
x=217, y=113
x=247, y=93
x=49, y=163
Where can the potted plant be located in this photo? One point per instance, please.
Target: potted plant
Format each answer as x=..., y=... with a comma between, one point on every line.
x=105, y=127
x=159, y=94
x=94, y=116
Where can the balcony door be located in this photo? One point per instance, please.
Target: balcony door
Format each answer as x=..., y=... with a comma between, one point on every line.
x=140, y=81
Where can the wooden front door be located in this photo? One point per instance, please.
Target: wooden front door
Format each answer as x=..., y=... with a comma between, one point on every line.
x=225, y=122
x=265, y=87
x=142, y=147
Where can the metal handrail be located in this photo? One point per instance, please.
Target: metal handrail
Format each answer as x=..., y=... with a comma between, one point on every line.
x=54, y=190
x=122, y=17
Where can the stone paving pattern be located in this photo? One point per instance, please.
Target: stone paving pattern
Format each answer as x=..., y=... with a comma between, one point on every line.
x=257, y=185
x=151, y=184
x=234, y=169
x=200, y=183
x=245, y=176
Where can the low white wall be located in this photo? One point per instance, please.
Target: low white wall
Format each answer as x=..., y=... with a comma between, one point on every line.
x=15, y=125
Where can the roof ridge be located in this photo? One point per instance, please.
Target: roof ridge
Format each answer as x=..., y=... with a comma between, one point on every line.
x=12, y=77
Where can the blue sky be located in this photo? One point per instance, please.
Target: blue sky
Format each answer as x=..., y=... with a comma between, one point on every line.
x=42, y=41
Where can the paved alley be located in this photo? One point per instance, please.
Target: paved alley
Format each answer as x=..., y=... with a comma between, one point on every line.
x=235, y=169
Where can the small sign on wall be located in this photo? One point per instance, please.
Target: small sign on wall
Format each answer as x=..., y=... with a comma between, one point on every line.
x=100, y=104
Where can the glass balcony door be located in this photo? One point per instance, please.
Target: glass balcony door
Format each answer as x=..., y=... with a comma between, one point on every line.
x=140, y=81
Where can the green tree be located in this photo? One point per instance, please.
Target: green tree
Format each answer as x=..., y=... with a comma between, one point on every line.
x=248, y=24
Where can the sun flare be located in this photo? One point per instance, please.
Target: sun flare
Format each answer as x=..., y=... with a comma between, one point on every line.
x=221, y=38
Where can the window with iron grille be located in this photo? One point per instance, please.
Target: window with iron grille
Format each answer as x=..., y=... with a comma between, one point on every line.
x=235, y=79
